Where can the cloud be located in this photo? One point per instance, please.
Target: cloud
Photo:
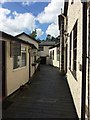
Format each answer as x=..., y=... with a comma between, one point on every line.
x=27, y=3
x=39, y=32
x=17, y=23
x=3, y=1
x=51, y=12
x=53, y=30
x=33, y=0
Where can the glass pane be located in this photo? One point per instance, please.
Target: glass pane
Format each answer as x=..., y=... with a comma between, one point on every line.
x=15, y=62
x=23, y=59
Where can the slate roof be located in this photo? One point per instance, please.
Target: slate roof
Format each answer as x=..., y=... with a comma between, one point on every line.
x=23, y=33
x=47, y=43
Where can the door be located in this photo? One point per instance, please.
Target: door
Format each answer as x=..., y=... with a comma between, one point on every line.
x=3, y=68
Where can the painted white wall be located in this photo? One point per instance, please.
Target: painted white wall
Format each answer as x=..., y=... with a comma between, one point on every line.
x=51, y=61
x=75, y=13
x=45, y=51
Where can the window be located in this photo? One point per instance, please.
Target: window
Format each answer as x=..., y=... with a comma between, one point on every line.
x=74, y=49
x=20, y=60
x=15, y=62
x=58, y=56
x=23, y=56
x=70, y=50
x=23, y=59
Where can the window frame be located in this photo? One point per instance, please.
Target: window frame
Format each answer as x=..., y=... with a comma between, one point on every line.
x=19, y=58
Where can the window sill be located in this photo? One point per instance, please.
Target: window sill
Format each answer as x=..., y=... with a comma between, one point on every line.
x=19, y=68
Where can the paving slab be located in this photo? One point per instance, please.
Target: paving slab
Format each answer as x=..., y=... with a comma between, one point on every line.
x=48, y=96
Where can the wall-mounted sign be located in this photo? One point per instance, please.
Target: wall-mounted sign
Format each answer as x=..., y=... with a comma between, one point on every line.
x=15, y=48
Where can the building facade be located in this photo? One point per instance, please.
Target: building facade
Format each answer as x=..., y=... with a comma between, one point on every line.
x=44, y=51
x=34, y=53
x=88, y=60
x=54, y=55
x=76, y=48
x=16, y=63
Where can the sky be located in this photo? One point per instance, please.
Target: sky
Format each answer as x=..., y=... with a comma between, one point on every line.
x=26, y=16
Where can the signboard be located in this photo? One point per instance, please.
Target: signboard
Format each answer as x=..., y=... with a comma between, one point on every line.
x=15, y=48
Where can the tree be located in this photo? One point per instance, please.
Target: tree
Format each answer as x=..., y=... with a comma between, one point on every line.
x=50, y=38
x=34, y=34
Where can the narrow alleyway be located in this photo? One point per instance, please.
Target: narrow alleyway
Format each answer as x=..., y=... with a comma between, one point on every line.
x=48, y=96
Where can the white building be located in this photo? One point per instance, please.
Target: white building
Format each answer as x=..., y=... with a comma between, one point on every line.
x=44, y=51
x=76, y=36
x=54, y=55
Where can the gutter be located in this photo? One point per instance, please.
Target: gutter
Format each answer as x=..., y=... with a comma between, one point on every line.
x=84, y=56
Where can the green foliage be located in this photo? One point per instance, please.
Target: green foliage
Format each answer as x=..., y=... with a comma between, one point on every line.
x=34, y=34
x=50, y=38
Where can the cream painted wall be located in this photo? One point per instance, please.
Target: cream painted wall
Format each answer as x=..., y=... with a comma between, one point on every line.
x=54, y=62
x=75, y=13
x=26, y=38
x=15, y=77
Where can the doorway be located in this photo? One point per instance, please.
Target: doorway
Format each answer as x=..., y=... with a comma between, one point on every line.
x=43, y=60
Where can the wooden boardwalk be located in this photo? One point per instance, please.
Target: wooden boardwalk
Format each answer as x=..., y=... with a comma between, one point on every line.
x=48, y=96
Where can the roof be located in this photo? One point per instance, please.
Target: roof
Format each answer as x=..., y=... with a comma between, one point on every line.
x=56, y=45
x=12, y=38
x=47, y=43
x=23, y=33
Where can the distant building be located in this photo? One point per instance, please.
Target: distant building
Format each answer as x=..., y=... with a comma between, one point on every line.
x=44, y=51
x=54, y=55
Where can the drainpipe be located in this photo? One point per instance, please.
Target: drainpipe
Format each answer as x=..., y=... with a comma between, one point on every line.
x=84, y=55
